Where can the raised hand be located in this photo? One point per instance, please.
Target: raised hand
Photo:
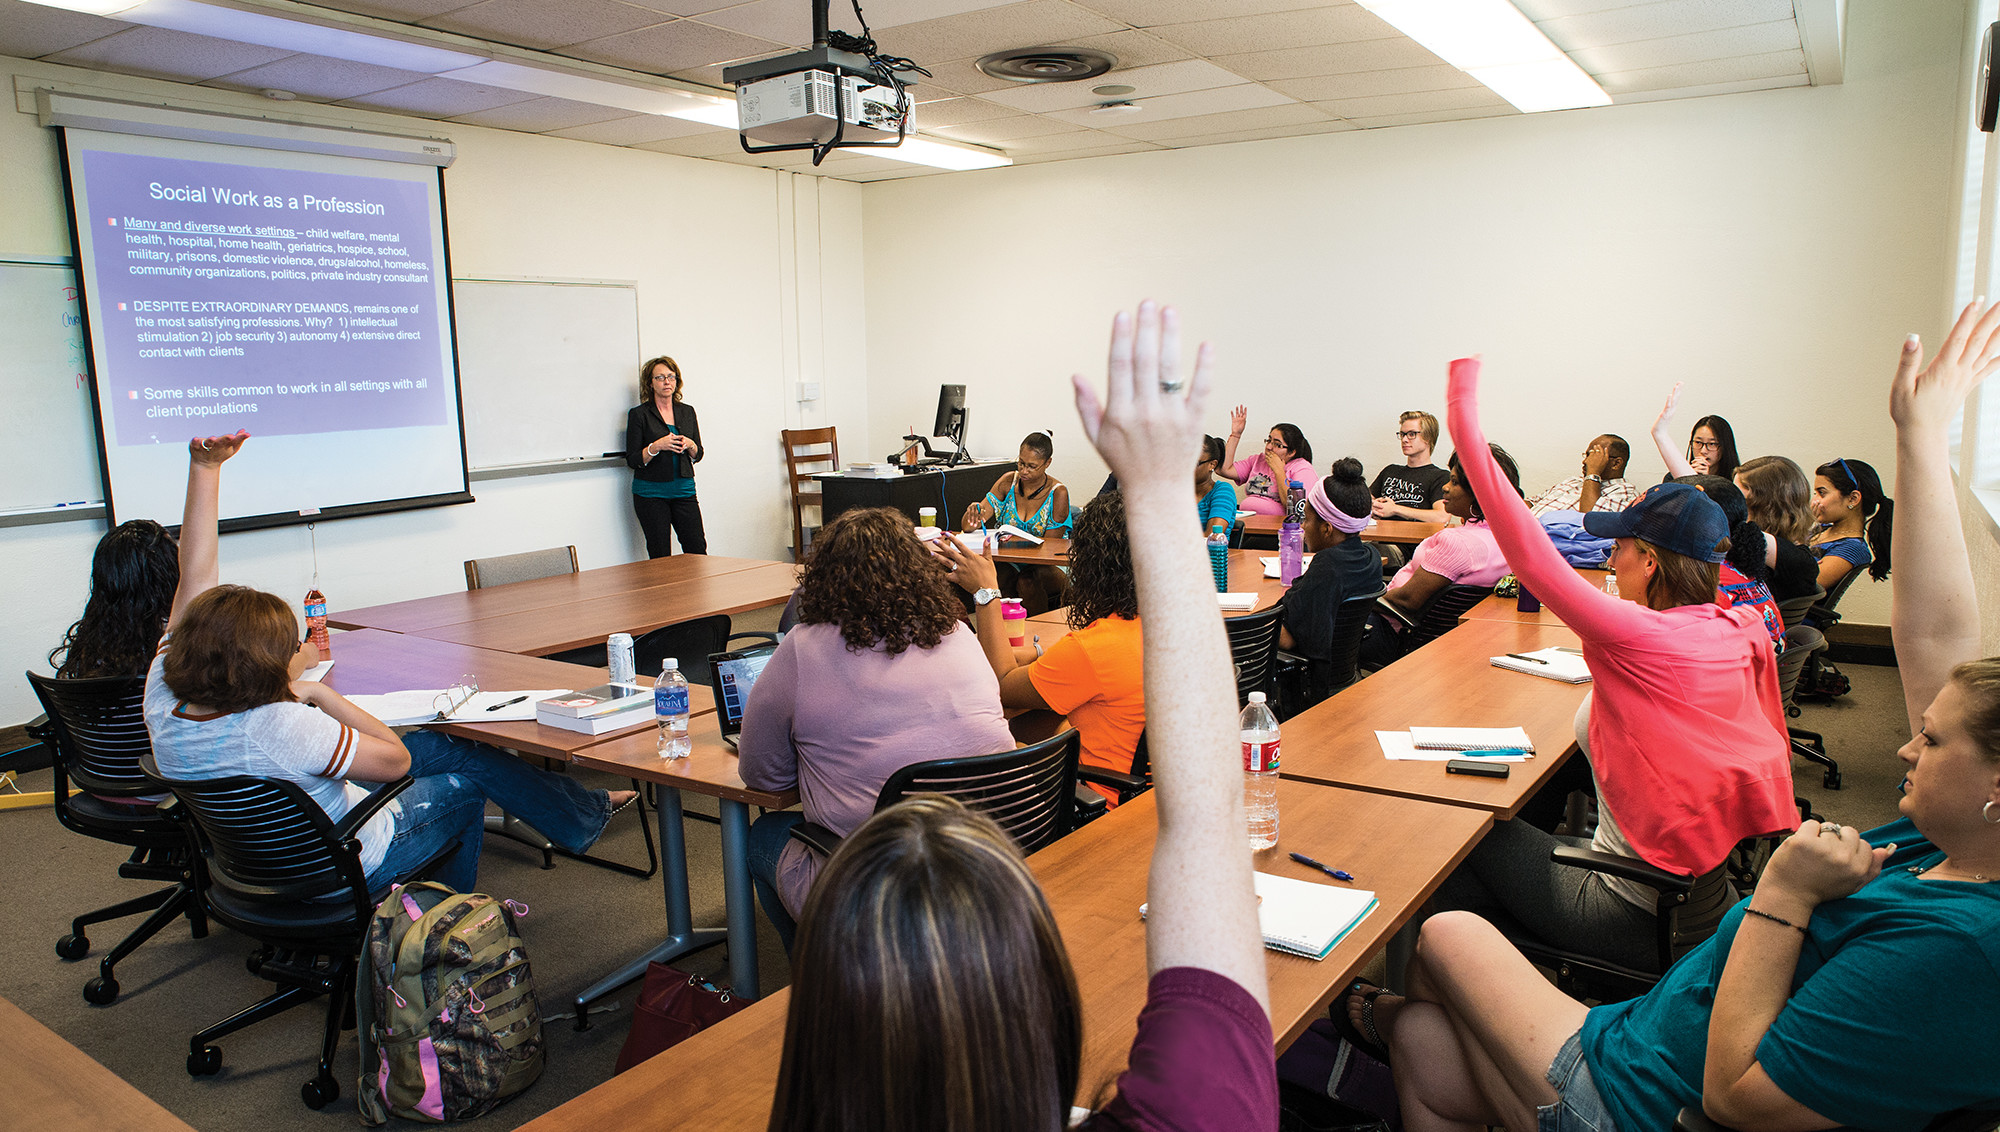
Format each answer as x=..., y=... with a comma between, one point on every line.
x=1238, y=418
x=1664, y=425
x=1148, y=426
x=213, y=450
x=1926, y=397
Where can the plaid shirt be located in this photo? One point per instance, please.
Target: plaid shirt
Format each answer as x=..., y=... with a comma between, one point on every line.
x=1615, y=495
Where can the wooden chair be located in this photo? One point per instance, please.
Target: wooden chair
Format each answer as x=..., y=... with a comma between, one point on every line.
x=800, y=466
x=524, y=567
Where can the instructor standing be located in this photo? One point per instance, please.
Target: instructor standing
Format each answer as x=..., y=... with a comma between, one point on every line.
x=662, y=444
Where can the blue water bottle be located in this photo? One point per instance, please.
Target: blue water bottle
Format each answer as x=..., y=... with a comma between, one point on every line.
x=1218, y=553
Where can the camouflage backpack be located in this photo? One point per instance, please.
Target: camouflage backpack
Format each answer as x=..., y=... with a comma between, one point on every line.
x=445, y=1006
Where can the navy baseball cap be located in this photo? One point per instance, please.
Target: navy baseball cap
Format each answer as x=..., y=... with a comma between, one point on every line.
x=1672, y=516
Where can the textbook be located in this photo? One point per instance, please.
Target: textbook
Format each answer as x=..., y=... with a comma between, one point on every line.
x=605, y=699
x=604, y=722
x=1549, y=664
x=1303, y=917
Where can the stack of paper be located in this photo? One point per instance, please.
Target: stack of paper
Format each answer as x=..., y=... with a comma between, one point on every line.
x=1550, y=664
x=421, y=705
x=1236, y=603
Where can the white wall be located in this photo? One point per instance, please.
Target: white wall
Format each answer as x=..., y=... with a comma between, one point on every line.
x=1770, y=250
x=731, y=281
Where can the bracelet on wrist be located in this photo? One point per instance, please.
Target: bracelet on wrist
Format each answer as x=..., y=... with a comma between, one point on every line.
x=1748, y=911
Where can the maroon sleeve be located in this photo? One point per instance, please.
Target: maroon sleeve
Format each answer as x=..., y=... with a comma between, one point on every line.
x=1202, y=1061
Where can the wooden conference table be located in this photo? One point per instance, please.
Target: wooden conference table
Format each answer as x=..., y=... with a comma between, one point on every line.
x=1400, y=531
x=1497, y=608
x=1095, y=880
x=52, y=1086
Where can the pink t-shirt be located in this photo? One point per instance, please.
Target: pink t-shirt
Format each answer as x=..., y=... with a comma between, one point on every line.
x=1464, y=556
x=1260, y=493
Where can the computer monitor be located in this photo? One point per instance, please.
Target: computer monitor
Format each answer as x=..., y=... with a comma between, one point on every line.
x=950, y=413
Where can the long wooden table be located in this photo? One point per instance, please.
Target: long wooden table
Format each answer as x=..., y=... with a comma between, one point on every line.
x=540, y=593
x=1497, y=608
x=52, y=1086
x=1095, y=880
x=1401, y=531
x=1450, y=682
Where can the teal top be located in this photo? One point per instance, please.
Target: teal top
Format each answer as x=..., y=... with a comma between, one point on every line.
x=682, y=488
x=1219, y=503
x=1889, y=1021
x=1042, y=522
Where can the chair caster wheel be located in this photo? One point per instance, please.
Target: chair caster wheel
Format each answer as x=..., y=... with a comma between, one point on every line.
x=205, y=1062
x=1832, y=780
x=101, y=991
x=73, y=946
x=254, y=962
x=319, y=1091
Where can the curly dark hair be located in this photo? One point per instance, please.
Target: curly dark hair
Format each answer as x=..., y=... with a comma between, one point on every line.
x=132, y=579
x=1100, y=555
x=869, y=575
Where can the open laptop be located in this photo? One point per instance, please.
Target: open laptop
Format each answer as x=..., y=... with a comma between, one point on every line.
x=732, y=674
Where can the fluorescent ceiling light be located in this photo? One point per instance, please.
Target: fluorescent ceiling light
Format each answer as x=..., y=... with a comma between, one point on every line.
x=919, y=150
x=715, y=110
x=244, y=26
x=1493, y=42
x=93, y=7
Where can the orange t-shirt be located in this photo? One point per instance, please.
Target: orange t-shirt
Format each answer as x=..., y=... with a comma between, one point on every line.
x=1093, y=676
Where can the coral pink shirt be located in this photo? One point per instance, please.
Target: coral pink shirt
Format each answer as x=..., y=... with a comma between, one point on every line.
x=1464, y=556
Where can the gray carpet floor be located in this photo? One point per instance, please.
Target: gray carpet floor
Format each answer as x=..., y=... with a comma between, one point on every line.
x=582, y=922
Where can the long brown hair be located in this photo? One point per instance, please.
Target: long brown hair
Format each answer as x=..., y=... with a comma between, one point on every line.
x=132, y=578
x=646, y=377
x=868, y=575
x=1100, y=555
x=1980, y=681
x=930, y=988
x=232, y=650
x=1679, y=580
x=1780, y=497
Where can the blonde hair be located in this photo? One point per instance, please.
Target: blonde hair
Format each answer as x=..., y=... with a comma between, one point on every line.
x=1426, y=422
x=1780, y=497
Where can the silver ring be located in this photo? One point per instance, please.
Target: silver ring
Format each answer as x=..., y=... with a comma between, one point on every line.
x=1832, y=827
x=1173, y=386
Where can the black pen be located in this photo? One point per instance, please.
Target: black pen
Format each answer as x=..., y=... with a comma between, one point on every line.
x=507, y=703
x=1337, y=874
x=1529, y=659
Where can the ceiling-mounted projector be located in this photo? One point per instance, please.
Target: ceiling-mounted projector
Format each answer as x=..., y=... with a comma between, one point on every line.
x=837, y=94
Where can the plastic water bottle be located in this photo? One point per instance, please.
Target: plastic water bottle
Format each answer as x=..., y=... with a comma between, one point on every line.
x=1218, y=554
x=316, y=623
x=670, y=709
x=1292, y=536
x=1260, y=771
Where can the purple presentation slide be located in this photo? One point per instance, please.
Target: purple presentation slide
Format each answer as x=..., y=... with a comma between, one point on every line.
x=279, y=301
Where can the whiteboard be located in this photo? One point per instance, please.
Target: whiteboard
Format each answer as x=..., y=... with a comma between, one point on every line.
x=48, y=429
x=547, y=370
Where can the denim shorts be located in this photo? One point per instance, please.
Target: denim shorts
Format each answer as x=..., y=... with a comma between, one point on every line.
x=1579, y=1108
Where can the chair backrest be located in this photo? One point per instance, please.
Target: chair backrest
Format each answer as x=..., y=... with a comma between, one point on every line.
x=688, y=642
x=1253, y=646
x=100, y=732
x=1825, y=611
x=1695, y=915
x=266, y=841
x=1800, y=643
x=1442, y=614
x=524, y=567
x=1794, y=610
x=1343, y=667
x=800, y=466
x=1030, y=791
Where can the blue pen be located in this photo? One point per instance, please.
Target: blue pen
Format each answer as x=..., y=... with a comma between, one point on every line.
x=1337, y=874
x=1496, y=753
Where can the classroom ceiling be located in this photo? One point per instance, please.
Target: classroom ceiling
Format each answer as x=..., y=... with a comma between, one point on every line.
x=1203, y=71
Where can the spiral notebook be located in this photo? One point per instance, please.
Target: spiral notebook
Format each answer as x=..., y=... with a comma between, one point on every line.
x=1303, y=917
x=1471, y=739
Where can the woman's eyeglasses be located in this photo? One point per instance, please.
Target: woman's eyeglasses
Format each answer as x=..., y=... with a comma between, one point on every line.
x=1705, y=445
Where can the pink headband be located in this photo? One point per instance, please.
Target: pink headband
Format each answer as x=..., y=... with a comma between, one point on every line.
x=1341, y=520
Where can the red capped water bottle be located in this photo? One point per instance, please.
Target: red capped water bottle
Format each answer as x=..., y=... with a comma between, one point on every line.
x=316, y=623
x=1259, y=729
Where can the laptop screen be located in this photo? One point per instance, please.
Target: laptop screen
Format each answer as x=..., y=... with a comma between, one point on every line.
x=735, y=673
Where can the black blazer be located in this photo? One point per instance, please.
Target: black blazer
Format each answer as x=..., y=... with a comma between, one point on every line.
x=644, y=425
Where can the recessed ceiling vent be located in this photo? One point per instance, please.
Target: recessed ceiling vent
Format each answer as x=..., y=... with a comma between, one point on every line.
x=1047, y=64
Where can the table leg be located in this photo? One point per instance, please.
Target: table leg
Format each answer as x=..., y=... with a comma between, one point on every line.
x=739, y=903
x=682, y=937
x=1400, y=949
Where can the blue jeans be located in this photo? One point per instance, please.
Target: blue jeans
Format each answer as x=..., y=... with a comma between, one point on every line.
x=466, y=775
x=1580, y=1108
x=768, y=838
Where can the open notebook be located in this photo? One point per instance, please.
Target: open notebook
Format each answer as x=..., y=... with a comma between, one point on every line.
x=1563, y=665
x=1303, y=917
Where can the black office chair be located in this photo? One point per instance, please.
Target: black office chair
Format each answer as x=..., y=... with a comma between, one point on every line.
x=283, y=873
x=690, y=643
x=1824, y=613
x=95, y=735
x=1793, y=611
x=1304, y=681
x=1802, y=644
x=1962, y=1120
x=1029, y=791
x=1090, y=805
x=1253, y=648
x=1439, y=617
x=1688, y=912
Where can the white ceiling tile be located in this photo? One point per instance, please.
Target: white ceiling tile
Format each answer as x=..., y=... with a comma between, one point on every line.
x=1311, y=27
x=1403, y=80
x=1330, y=59
x=677, y=46
x=705, y=144
x=1777, y=64
x=1416, y=102
x=1000, y=131
x=542, y=25
x=1185, y=105
x=1158, y=79
x=438, y=98
x=1268, y=133
x=165, y=54
x=1659, y=20
x=540, y=115
x=30, y=31
x=1153, y=13
x=964, y=78
x=1133, y=49
x=959, y=112
x=319, y=78
x=1539, y=10
x=894, y=13
x=685, y=7
x=401, y=11
x=1080, y=154
x=636, y=129
x=971, y=34
x=1061, y=143
x=1260, y=117
x=1708, y=90
x=1756, y=39
x=782, y=21
x=1430, y=116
